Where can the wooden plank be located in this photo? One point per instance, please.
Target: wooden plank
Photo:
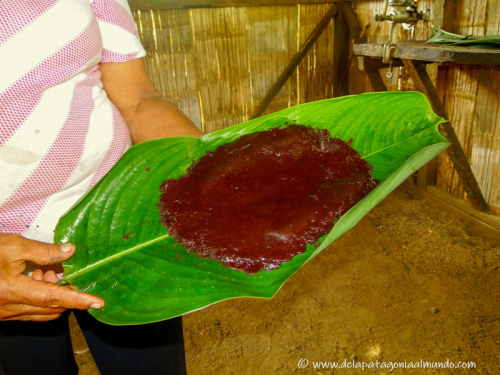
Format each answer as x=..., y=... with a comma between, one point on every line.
x=428, y=52
x=427, y=174
x=176, y=4
x=376, y=63
x=422, y=177
x=340, y=53
x=455, y=151
x=488, y=218
x=483, y=224
x=295, y=61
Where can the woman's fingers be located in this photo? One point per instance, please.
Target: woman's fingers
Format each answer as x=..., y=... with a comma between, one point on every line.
x=37, y=275
x=50, y=277
x=56, y=296
x=37, y=297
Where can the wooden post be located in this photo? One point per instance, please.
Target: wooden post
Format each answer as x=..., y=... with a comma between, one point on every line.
x=323, y=23
x=340, y=53
x=372, y=70
x=357, y=35
x=355, y=28
x=455, y=151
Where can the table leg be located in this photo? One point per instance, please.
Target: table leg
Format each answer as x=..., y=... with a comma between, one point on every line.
x=372, y=70
x=455, y=151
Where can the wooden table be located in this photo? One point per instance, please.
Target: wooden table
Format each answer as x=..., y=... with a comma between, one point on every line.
x=420, y=51
x=414, y=56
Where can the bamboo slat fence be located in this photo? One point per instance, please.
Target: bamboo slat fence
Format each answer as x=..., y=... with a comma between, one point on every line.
x=219, y=63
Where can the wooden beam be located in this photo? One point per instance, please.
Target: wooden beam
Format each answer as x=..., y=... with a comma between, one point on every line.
x=490, y=219
x=457, y=155
x=273, y=91
x=340, y=53
x=372, y=70
x=427, y=174
x=357, y=35
x=176, y=4
x=376, y=63
x=431, y=52
x=355, y=28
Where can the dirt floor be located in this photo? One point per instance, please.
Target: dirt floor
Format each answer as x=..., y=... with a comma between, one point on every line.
x=408, y=283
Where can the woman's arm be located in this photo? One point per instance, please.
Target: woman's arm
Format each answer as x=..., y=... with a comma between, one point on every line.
x=148, y=114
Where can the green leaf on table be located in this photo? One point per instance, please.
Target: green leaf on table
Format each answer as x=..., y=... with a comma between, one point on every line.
x=446, y=38
x=125, y=255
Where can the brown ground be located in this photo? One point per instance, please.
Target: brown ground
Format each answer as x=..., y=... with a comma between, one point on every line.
x=409, y=282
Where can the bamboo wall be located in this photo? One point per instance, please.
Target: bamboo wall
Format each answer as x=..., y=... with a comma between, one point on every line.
x=471, y=94
x=218, y=63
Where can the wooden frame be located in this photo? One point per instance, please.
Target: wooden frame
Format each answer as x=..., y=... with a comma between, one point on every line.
x=176, y=4
x=412, y=60
x=484, y=224
x=341, y=36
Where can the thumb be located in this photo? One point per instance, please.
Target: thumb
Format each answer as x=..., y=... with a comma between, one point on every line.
x=44, y=253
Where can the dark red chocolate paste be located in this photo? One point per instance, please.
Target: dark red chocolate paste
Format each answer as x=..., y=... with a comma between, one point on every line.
x=256, y=202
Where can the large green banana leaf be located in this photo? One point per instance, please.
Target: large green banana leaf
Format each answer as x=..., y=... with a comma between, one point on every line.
x=126, y=256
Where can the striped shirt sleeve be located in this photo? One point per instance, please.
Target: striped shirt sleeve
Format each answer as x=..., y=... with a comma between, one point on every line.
x=120, y=41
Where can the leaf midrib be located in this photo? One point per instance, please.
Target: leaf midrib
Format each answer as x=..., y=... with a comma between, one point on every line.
x=113, y=257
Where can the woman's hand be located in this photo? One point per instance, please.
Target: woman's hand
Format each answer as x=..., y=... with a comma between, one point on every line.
x=36, y=298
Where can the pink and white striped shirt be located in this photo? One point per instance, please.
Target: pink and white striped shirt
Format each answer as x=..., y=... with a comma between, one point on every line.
x=59, y=132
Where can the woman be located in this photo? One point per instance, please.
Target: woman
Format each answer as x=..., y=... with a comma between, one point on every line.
x=74, y=95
